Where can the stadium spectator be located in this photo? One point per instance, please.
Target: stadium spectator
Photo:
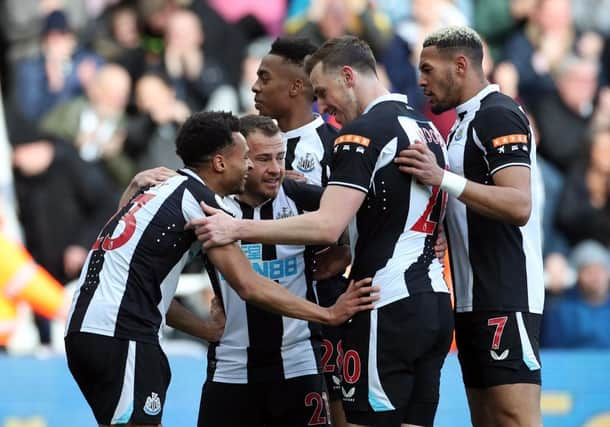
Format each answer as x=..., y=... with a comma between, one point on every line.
x=62, y=204
x=60, y=72
x=584, y=211
x=197, y=78
x=395, y=236
x=564, y=116
x=152, y=132
x=493, y=226
x=96, y=124
x=581, y=316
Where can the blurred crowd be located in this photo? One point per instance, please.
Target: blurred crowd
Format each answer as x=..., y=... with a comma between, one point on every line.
x=95, y=90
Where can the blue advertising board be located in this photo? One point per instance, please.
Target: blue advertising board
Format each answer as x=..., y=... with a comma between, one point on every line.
x=41, y=393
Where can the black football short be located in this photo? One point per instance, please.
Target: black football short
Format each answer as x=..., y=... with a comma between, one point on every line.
x=300, y=401
x=496, y=348
x=123, y=381
x=392, y=361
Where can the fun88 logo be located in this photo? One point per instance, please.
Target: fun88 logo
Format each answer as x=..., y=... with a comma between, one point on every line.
x=274, y=269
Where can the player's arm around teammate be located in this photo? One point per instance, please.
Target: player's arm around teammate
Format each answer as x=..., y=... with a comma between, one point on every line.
x=509, y=199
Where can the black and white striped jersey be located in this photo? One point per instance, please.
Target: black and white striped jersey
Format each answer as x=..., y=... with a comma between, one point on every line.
x=495, y=265
x=395, y=229
x=309, y=150
x=258, y=345
x=131, y=272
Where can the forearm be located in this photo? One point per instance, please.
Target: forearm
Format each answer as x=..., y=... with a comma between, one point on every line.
x=179, y=317
x=307, y=229
x=506, y=204
x=129, y=192
x=275, y=298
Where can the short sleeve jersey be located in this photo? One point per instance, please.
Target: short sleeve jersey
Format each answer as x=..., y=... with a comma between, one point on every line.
x=395, y=228
x=495, y=265
x=131, y=272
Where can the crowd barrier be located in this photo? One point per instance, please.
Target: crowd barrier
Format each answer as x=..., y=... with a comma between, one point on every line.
x=41, y=393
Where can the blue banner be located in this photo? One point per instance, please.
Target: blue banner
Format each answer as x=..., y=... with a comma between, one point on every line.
x=41, y=393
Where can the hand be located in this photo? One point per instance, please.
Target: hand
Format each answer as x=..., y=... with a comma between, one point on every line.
x=441, y=244
x=295, y=176
x=330, y=261
x=33, y=158
x=216, y=229
x=420, y=162
x=74, y=259
x=358, y=296
x=216, y=322
x=151, y=177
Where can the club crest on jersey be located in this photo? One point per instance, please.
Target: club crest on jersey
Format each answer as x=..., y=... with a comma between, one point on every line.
x=306, y=163
x=285, y=212
x=153, y=404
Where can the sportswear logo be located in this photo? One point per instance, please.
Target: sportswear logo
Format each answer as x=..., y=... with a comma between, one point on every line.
x=153, y=404
x=336, y=380
x=502, y=356
x=348, y=394
x=307, y=163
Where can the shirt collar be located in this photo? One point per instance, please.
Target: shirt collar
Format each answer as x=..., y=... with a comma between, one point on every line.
x=309, y=127
x=192, y=174
x=474, y=102
x=389, y=97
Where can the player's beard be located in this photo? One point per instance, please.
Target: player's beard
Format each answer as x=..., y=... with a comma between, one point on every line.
x=448, y=87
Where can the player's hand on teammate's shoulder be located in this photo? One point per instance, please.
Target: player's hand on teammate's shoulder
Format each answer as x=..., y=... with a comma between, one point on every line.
x=217, y=320
x=153, y=176
x=295, y=176
x=419, y=161
x=216, y=229
x=359, y=296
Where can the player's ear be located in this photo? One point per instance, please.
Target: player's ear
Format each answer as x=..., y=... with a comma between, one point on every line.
x=348, y=75
x=218, y=163
x=296, y=87
x=461, y=64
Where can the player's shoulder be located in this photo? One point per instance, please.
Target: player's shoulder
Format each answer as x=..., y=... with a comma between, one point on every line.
x=500, y=113
x=200, y=191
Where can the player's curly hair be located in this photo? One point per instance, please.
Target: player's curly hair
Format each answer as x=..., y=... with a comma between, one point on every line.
x=204, y=134
x=293, y=49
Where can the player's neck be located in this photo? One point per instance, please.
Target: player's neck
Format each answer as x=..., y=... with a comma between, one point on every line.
x=472, y=87
x=295, y=119
x=370, y=92
x=212, y=180
x=252, y=200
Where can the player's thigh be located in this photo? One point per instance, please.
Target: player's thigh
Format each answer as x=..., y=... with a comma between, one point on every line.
x=300, y=401
x=123, y=381
x=437, y=314
x=231, y=405
x=497, y=348
x=515, y=404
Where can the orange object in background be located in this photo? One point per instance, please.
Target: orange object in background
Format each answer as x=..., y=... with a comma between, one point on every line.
x=447, y=274
x=21, y=279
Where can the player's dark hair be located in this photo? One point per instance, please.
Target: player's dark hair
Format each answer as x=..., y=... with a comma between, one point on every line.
x=452, y=40
x=204, y=134
x=293, y=49
x=253, y=122
x=340, y=51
